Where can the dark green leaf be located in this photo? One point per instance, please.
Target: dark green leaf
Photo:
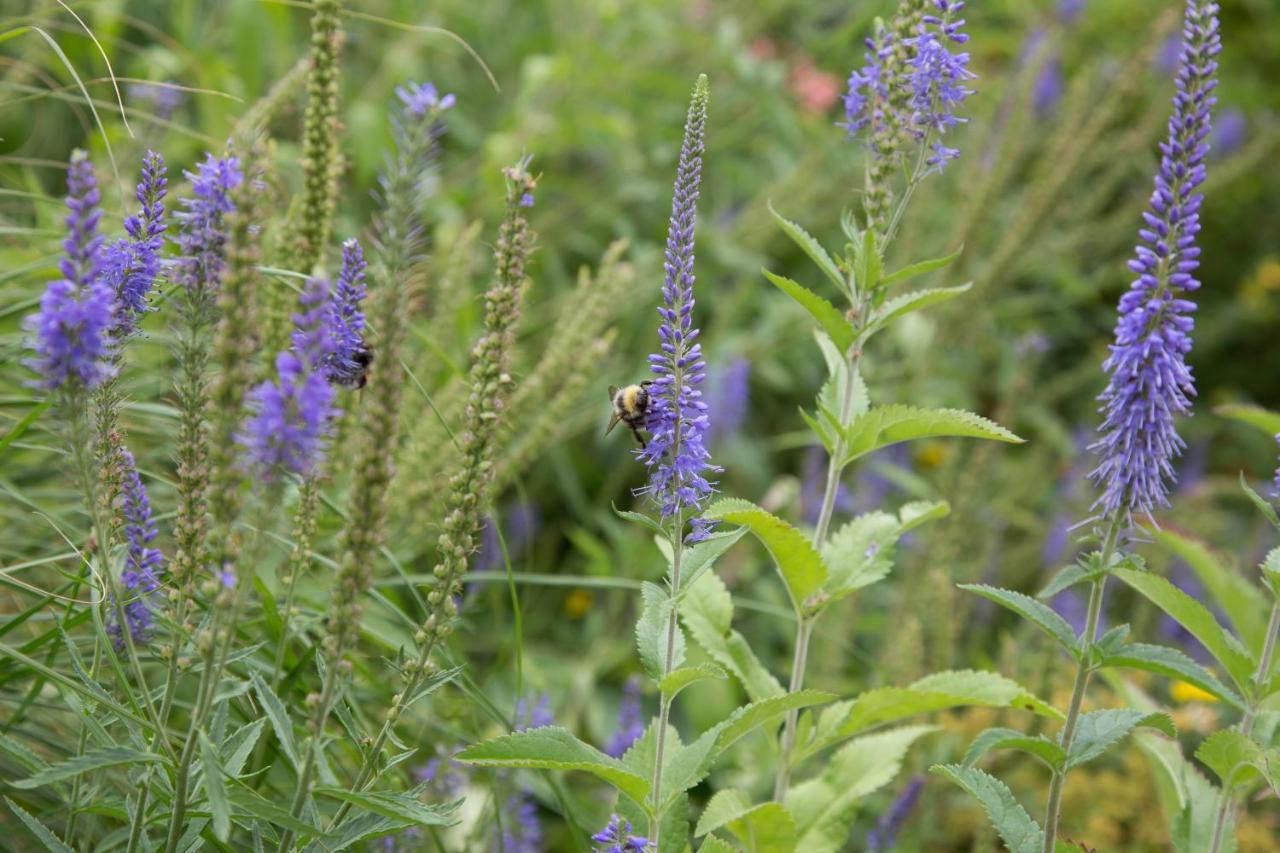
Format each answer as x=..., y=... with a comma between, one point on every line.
x=812, y=248
x=914, y=270
x=1173, y=663
x=38, y=829
x=278, y=716
x=826, y=314
x=215, y=791
x=1096, y=731
x=1019, y=832
x=1027, y=607
x=396, y=806
x=1002, y=738
x=96, y=760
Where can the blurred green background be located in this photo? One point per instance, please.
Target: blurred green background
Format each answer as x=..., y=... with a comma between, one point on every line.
x=1057, y=161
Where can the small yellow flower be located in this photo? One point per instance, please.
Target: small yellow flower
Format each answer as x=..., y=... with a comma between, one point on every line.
x=1184, y=692
x=577, y=603
x=931, y=454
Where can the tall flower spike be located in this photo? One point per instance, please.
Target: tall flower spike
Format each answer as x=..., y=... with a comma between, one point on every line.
x=202, y=230
x=346, y=364
x=71, y=331
x=675, y=454
x=1150, y=381
x=130, y=266
x=143, y=563
x=938, y=79
x=290, y=416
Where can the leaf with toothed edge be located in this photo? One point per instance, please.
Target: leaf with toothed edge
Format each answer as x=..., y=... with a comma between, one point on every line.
x=822, y=311
x=1017, y=829
x=1041, y=614
x=812, y=248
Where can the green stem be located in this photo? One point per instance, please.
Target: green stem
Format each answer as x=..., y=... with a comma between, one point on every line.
x=664, y=708
x=804, y=632
x=1225, y=804
x=1085, y=669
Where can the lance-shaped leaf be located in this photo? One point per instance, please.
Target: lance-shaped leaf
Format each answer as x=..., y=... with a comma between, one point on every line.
x=827, y=315
x=661, y=644
x=824, y=807
x=700, y=556
x=1037, y=612
x=679, y=679
x=707, y=611
x=915, y=270
x=397, y=806
x=1096, y=731
x=867, y=262
x=215, y=790
x=885, y=425
x=1052, y=754
x=1017, y=830
x=765, y=827
x=861, y=552
x=1173, y=663
x=42, y=833
x=554, y=748
x=1254, y=416
x=812, y=248
x=1237, y=597
x=1197, y=619
x=903, y=304
x=798, y=563
x=112, y=756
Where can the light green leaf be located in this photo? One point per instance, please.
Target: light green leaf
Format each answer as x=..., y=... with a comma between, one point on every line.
x=279, y=718
x=812, y=248
x=936, y=692
x=553, y=748
x=711, y=844
x=886, y=425
x=799, y=564
x=870, y=267
x=1231, y=756
x=96, y=760
x=1027, y=607
x=1019, y=832
x=824, y=807
x=1172, y=663
x=861, y=552
x=707, y=611
x=913, y=270
x=1096, y=731
x=641, y=519
x=1197, y=619
x=1233, y=593
x=38, y=829
x=1087, y=568
x=826, y=314
x=1254, y=416
x=903, y=304
x=1264, y=506
x=701, y=556
x=764, y=828
x=1039, y=746
x=723, y=807
x=679, y=679
x=652, y=632
x=215, y=790
x=396, y=806
x=249, y=802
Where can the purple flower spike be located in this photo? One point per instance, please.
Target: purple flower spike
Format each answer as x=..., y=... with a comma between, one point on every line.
x=938, y=78
x=676, y=454
x=868, y=95
x=290, y=416
x=71, y=331
x=616, y=837
x=347, y=363
x=1150, y=380
x=891, y=822
x=202, y=231
x=130, y=266
x=142, y=563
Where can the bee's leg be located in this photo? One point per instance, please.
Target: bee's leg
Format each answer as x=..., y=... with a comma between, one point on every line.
x=640, y=438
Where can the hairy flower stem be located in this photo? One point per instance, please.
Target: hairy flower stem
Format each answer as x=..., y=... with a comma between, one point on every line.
x=664, y=708
x=1053, y=808
x=1226, y=804
x=299, y=560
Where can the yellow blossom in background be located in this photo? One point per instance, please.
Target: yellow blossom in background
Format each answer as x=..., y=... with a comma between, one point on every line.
x=1183, y=692
x=931, y=454
x=1260, y=288
x=577, y=603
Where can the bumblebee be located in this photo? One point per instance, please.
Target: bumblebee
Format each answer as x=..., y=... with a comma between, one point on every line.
x=358, y=376
x=631, y=407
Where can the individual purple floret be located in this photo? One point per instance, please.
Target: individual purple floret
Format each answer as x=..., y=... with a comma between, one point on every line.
x=348, y=362
x=676, y=454
x=938, y=79
x=139, y=580
x=616, y=837
x=290, y=417
x=867, y=98
x=130, y=266
x=630, y=720
x=1150, y=380
x=419, y=99
x=71, y=331
x=895, y=817
x=202, y=231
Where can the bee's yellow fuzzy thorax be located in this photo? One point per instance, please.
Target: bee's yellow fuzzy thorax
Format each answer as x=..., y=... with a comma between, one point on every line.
x=629, y=395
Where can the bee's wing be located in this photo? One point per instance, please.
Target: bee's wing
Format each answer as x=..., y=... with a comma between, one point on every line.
x=613, y=422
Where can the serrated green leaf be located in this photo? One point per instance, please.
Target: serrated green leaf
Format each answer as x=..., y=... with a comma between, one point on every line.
x=700, y=556
x=1232, y=757
x=824, y=807
x=870, y=267
x=903, y=304
x=652, y=632
x=236, y=748
x=711, y=844
x=800, y=566
x=914, y=270
x=822, y=430
x=885, y=425
x=723, y=807
x=396, y=806
x=253, y=804
x=279, y=717
x=679, y=679
x=1017, y=830
x=214, y=789
x=95, y=760
x=554, y=748
x=42, y=833
x=1087, y=568
x=1039, y=746
x=675, y=825
x=1254, y=416
x=1096, y=731
x=641, y=519
x=764, y=827
x=812, y=248
x=827, y=315
x=861, y=552
x=1027, y=607
x=707, y=611
x=1172, y=663
x=1264, y=506
x=1197, y=619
